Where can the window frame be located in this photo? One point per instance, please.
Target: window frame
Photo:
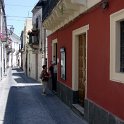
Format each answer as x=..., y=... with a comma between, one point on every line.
x=115, y=19
x=122, y=46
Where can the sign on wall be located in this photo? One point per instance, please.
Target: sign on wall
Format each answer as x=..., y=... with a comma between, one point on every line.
x=63, y=63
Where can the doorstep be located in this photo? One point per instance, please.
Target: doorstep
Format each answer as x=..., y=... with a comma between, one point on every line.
x=79, y=110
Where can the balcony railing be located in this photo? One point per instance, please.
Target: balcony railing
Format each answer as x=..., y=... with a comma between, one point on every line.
x=48, y=7
x=34, y=38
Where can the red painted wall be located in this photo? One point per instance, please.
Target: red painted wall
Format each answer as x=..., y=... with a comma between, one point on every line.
x=108, y=94
x=63, y=41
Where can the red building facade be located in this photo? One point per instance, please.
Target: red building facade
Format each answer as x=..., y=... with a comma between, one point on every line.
x=94, y=33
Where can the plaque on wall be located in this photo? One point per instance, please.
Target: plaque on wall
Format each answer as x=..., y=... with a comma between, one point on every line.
x=63, y=63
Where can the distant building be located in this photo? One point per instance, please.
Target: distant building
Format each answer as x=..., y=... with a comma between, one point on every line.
x=24, y=44
x=39, y=41
x=14, y=43
x=34, y=48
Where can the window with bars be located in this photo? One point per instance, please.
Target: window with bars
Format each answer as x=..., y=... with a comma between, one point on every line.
x=122, y=46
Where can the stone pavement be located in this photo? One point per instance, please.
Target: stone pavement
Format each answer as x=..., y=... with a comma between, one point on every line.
x=27, y=105
x=4, y=90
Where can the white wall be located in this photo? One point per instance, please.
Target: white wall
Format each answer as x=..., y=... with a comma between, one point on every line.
x=27, y=27
x=40, y=64
x=91, y=3
x=33, y=66
x=15, y=43
x=24, y=60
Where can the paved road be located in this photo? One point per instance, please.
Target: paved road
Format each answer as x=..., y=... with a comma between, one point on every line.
x=27, y=105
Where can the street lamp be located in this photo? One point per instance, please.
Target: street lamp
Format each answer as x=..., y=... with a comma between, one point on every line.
x=105, y=4
x=11, y=30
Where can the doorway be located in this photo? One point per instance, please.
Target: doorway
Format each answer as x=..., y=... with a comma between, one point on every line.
x=54, y=60
x=79, y=64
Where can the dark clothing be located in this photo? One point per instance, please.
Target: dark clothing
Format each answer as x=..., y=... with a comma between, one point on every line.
x=44, y=75
x=51, y=69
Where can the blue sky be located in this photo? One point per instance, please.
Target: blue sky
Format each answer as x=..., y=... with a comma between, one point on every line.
x=16, y=11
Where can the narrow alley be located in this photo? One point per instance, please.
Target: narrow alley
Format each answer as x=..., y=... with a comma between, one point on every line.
x=74, y=46
x=25, y=103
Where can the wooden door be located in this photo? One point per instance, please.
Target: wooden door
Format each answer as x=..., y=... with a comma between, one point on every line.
x=82, y=68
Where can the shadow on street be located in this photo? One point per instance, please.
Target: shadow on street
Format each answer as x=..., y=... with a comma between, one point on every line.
x=20, y=77
x=27, y=105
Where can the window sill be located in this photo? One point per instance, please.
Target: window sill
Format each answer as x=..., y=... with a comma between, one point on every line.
x=117, y=77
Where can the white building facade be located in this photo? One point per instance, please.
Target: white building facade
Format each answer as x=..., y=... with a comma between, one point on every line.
x=3, y=36
x=34, y=54
x=24, y=42
x=14, y=56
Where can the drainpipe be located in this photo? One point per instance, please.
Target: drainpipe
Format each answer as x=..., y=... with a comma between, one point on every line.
x=1, y=44
x=42, y=41
x=45, y=61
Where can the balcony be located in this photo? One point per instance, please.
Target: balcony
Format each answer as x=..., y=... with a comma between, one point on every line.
x=57, y=13
x=48, y=7
x=34, y=39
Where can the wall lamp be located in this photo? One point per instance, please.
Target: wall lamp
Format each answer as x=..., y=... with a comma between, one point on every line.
x=105, y=4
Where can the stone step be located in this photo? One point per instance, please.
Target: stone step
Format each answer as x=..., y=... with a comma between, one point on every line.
x=79, y=110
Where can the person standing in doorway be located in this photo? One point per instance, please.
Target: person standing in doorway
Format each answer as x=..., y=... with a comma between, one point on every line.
x=44, y=78
x=51, y=69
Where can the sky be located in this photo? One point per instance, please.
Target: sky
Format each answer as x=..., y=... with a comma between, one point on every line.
x=16, y=13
